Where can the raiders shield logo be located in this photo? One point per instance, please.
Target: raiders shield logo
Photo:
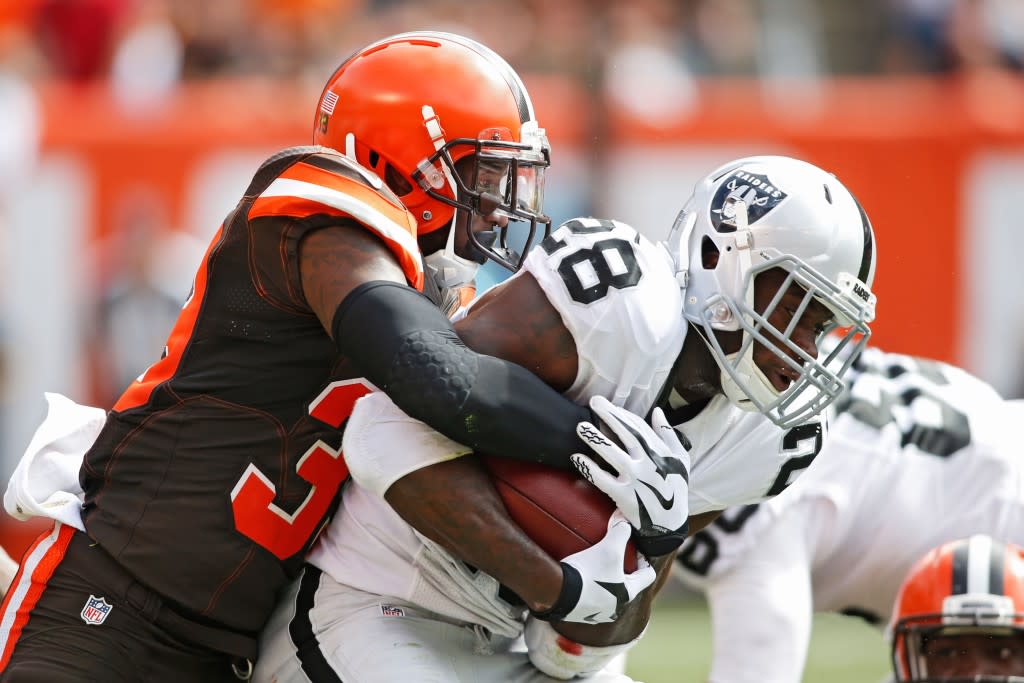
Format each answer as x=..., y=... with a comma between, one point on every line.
x=756, y=191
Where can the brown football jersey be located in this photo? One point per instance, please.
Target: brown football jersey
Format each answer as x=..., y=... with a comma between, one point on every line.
x=218, y=466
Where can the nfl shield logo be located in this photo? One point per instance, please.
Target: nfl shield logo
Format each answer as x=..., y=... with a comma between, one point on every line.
x=392, y=611
x=96, y=610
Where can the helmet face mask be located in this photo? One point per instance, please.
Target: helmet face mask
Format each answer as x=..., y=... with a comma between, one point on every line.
x=959, y=615
x=752, y=216
x=505, y=179
x=413, y=107
x=819, y=380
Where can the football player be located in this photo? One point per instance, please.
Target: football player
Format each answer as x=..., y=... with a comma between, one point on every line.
x=217, y=467
x=919, y=453
x=768, y=255
x=959, y=615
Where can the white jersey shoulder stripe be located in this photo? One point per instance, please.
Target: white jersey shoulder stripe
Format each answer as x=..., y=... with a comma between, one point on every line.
x=361, y=211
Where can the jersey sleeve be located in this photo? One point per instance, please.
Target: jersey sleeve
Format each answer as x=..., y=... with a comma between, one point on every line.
x=308, y=190
x=382, y=444
x=616, y=294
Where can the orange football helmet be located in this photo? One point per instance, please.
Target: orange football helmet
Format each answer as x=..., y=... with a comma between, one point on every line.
x=969, y=587
x=415, y=104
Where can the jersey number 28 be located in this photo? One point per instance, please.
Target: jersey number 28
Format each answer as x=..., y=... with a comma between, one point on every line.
x=589, y=273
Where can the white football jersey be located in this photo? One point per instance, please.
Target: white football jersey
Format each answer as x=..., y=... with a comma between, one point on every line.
x=919, y=453
x=741, y=457
x=624, y=333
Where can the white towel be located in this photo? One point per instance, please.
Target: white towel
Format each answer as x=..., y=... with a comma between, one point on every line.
x=45, y=482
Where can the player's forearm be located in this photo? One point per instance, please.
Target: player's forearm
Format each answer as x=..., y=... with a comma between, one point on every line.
x=403, y=344
x=474, y=526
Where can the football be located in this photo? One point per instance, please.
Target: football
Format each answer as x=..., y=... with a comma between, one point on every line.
x=562, y=512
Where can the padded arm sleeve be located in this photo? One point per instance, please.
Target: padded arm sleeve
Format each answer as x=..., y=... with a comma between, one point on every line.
x=402, y=343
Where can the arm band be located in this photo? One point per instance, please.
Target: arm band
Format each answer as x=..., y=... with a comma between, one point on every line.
x=402, y=343
x=568, y=596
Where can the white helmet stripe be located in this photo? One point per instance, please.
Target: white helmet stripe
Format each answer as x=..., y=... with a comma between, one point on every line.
x=979, y=559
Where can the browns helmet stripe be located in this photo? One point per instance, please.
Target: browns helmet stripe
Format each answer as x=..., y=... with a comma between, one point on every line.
x=960, y=556
x=979, y=560
x=978, y=566
x=515, y=83
x=997, y=569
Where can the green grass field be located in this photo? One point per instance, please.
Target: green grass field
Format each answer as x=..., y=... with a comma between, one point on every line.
x=677, y=647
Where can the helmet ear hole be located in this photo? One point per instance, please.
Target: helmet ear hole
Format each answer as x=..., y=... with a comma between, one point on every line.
x=709, y=253
x=394, y=179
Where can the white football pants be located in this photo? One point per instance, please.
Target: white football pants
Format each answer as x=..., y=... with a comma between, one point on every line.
x=326, y=632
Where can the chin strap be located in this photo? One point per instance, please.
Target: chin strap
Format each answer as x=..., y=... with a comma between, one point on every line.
x=746, y=369
x=448, y=269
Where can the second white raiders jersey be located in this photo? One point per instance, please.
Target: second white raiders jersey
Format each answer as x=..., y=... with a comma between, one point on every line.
x=919, y=453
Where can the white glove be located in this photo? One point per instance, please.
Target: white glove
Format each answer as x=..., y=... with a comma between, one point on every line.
x=653, y=472
x=595, y=588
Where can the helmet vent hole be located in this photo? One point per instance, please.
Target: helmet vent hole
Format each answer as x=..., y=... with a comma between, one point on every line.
x=374, y=158
x=708, y=253
x=828, y=194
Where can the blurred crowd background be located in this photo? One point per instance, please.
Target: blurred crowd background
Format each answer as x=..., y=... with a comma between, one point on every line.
x=169, y=42
x=128, y=128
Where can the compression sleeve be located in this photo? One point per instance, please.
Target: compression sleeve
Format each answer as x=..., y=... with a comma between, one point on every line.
x=402, y=343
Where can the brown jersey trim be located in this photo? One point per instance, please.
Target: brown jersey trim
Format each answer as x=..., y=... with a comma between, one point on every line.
x=139, y=391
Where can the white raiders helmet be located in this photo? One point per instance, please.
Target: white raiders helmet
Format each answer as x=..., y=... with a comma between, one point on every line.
x=766, y=212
